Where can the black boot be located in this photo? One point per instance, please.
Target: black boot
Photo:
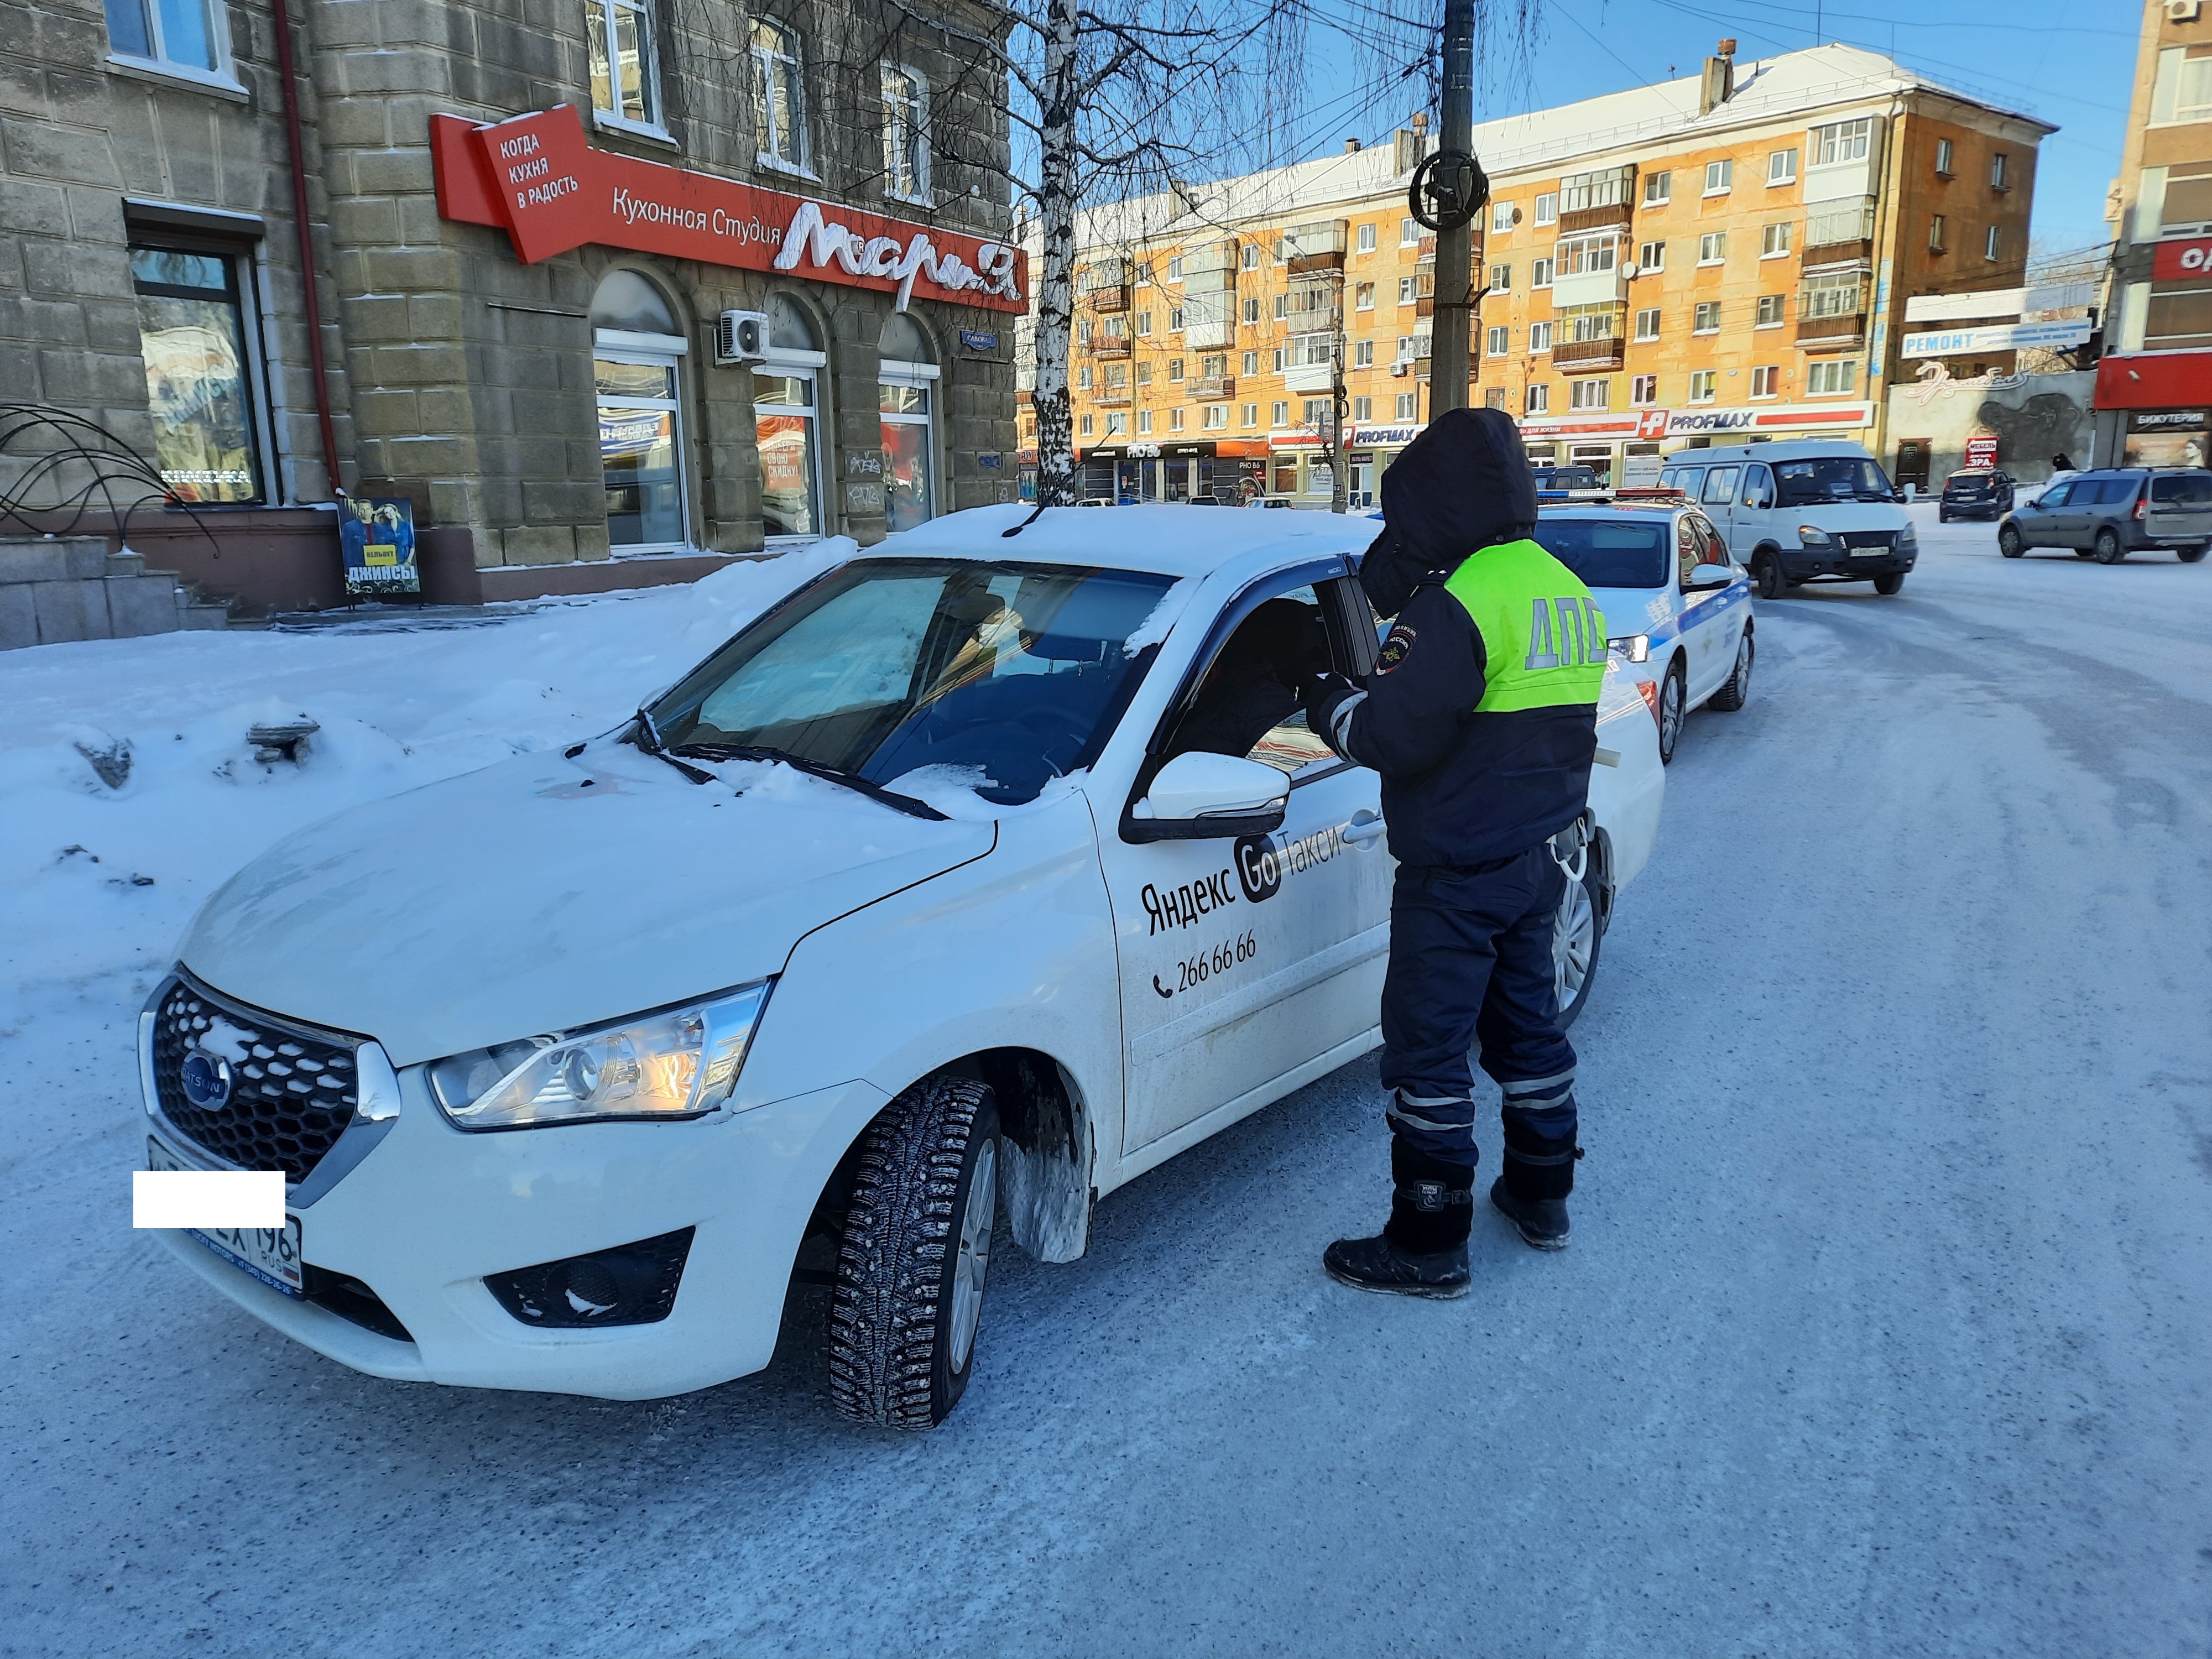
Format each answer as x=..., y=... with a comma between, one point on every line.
x=1532, y=1192
x=1422, y=1250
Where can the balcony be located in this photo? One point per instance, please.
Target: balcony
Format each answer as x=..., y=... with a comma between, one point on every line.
x=1838, y=333
x=1108, y=345
x=1315, y=246
x=1112, y=398
x=1426, y=305
x=1214, y=390
x=1586, y=357
x=1113, y=297
x=1613, y=216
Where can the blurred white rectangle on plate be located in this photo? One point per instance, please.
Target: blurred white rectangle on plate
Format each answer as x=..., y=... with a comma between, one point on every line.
x=207, y=1198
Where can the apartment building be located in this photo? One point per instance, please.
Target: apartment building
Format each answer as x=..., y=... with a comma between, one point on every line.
x=2154, y=397
x=1719, y=257
x=519, y=335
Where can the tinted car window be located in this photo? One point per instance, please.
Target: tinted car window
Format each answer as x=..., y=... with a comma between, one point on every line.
x=2117, y=491
x=2182, y=490
x=1607, y=552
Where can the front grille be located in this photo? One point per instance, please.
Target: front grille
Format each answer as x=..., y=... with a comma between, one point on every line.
x=292, y=1090
x=1868, y=538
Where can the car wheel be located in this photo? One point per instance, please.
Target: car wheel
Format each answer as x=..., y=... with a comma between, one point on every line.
x=2189, y=555
x=1673, y=696
x=1767, y=571
x=1575, y=940
x=1942, y=517
x=1736, y=692
x=1892, y=583
x=2008, y=541
x=2109, y=550
x=908, y=1298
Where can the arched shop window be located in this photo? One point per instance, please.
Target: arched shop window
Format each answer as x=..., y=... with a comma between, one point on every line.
x=787, y=422
x=906, y=383
x=637, y=357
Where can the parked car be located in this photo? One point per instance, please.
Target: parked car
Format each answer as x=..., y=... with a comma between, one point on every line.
x=1678, y=608
x=1976, y=493
x=985, y=872
x=1811, y=509
x=2110, y=512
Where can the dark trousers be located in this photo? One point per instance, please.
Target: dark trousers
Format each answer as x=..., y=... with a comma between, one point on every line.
x=1471, y=964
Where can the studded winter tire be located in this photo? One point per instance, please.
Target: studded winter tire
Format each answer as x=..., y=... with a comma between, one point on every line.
x=1736, y=692
x=909, y=1297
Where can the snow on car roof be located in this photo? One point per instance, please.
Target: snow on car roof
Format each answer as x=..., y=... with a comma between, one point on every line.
x=1169, y=539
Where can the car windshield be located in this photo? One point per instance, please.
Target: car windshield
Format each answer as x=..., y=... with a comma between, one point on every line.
x=1009, y=674
x=1566, y=477
x=1607, y=552
x=2182, y=490
x=1832, y=478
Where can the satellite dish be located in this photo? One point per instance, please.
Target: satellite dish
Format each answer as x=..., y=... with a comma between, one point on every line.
x=1629, y=273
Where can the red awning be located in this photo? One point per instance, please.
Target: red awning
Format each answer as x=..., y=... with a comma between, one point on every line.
x=2153, y=379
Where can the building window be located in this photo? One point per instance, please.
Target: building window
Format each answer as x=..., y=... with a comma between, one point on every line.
x=1770, y=311
x=1539, y=273
x=1409, y=347
x=1405, y=410
x=637, y=353
x=1363, y=296
x=1766, y=382
x=1497, y=340
x=906, y=134
x=1837, y=295
x=1363, y=355
x=1248, y=416
x=625, y=88
x=1991, y=243
x=1658, y=188
x=1083, y=331
x=1707, y=320
x=1944, y=154
x=1705, y=384
x=1144, y=324
x=1501, y=218
x=1144, y=374
x=779, y=97
x=1251, y=363
x=1583, y=256
x=2181, y=87
x=1409, y=233
x=1494, y=396
x=1590, y=394
x=1144, y=420
x=1774, y=241
x=787, y=422
x=1367, y=239
x=1085, y=425
x=1175, y=268
x=1175, y=369
x=1250, y=256
x=1363, y=409
x=1279, y=413
x=1537, y=400
x=1406, y=291
x=190, y=38
x=1720, y=176
x=1548, y=207
x=1842, y=141
x=1316, y=412
x=1834, y=377
x=1644, y=389
x=193, y=335
x=1118, y=426
x=1277, y=365
x=1647, y=324
x=1214, y=417
x=2000, y=164
x=1782, y=167
x=1540, y=337
x=1501, y=279
x=1935, y=230
x=1712, y=247
x=1083, y=378
x=1251, y=311
x=1175, y=319
x=1651, y=257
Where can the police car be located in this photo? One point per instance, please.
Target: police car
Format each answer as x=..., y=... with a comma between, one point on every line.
x=1676, y=605
x=983, y=873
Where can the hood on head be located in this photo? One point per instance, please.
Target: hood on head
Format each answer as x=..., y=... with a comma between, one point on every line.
x=1463, y=484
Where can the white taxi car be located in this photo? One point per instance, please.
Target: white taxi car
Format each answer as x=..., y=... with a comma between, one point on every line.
x=1674, y=600
x=986, y=871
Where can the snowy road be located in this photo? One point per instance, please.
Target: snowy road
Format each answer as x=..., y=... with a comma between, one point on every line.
x=1884, y=1331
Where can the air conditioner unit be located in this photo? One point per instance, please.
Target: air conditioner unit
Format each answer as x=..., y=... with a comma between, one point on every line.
x=741, y=337
x=2184, y=11
x=1398, y=369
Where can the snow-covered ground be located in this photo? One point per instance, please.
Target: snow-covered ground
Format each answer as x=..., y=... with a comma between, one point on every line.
x=1884, y=1329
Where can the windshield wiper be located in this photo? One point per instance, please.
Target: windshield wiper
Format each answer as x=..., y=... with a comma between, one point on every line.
x=646, y=737
x=744, y=752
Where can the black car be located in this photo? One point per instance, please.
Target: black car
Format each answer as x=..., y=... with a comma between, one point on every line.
x=1978, y=493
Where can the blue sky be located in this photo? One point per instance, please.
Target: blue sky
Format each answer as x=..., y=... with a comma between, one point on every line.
x=2067, y=62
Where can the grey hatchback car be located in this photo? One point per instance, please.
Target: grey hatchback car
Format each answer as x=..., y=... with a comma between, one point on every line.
x=2111, y=513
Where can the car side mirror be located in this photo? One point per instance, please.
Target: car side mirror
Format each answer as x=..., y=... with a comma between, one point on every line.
x=1201, y=797
x=1705, y=576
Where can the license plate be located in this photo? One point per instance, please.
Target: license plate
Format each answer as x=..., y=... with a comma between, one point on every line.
x=271, y=1254
x=1871, y=552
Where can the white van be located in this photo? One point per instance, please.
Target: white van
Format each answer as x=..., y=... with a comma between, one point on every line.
x=1814, y=509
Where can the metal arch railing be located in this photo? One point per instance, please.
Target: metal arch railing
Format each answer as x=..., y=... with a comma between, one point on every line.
x=48, y=498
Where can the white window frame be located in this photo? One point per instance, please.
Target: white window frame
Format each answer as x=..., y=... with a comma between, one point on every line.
x=1651, y=257
x=1248, y=415
x=1720, y=176
x=1409, y=232
x=1143, y=423
x=1501, y=279
x=1712, y=248
x=894, y=371
x=1774, y=240
x=1251, y=363
x=1539, y=337
x=1780, y=308
x=1698, y=318
x=1590, y=394
x=1705, y=385
x=1648, y=322
x=1214, y=417
x=1498, y=341
x=1363, y=409
x=1363, y=353
x=1537, y=400
x=1947, y=155
x=1548, y=207
x=1407, y=405
x=1766, y=380
x=1363, y=296
x=2174, y=66
x=1539, y=273
x=222, y=77
x=1844, y=368
x=668, y=351
x=2000, y=170
x=1501, y=218
x=1840, y=141
x=1643, y=389
x=789, y=52
x=1084, y=426
x=906, y=117
x=1991, y=240
x=1659, y=187
x=1278, y=414
x=1782, y=166
x=1407, y=290
x=1175, y=268
x=1367, y=239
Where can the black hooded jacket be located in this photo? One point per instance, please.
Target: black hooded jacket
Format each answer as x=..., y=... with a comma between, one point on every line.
x=1461, y=787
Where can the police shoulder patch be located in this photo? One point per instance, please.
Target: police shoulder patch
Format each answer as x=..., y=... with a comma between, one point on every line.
x=1395, y=647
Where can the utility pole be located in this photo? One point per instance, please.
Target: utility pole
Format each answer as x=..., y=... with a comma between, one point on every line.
x=1454, y=319
x=1340, y=499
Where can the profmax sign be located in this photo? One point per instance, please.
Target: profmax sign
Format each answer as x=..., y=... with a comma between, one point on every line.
x=537, y=178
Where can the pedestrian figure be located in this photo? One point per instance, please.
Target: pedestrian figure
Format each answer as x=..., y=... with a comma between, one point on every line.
x=1481, y=718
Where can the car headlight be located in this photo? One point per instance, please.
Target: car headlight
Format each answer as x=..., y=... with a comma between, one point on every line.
x=1811, y=535
x=1635, y=647
x=1908, y=537
x=679, y=1063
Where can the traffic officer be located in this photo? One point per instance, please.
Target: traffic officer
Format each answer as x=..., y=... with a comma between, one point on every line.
x=1481, y=717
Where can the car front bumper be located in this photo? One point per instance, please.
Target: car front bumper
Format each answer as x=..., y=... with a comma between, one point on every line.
x=431, y=1211
x=1802, y=564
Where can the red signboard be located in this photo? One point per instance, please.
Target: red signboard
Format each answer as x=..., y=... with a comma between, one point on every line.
x=1651, y=423
x=1981, y=451
x=2193, y=257
x=2153, y=379
x=537, y=179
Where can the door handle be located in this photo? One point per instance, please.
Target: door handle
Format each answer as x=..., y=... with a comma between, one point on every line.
x=1364, y=830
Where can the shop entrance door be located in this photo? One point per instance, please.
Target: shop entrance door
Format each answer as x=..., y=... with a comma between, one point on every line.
x=1912, y=463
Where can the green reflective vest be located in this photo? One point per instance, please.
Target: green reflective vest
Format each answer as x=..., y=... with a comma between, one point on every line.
x=1543, y=636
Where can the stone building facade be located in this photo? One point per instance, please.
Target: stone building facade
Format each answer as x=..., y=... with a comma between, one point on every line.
x=559, y=424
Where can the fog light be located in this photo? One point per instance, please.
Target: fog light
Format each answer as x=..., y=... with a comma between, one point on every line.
x=629, y=1284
